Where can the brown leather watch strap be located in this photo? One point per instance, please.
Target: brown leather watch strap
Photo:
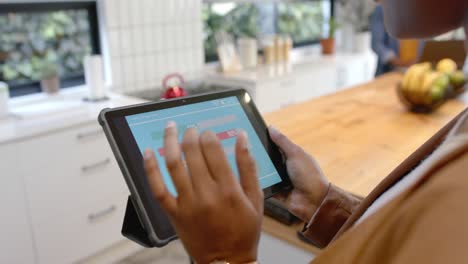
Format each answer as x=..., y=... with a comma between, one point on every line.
x=332, y=213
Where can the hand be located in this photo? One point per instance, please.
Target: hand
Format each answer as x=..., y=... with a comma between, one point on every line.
x=216, y=216
x=310, y=185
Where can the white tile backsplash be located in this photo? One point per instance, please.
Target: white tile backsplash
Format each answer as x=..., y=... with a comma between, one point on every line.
x=148, y=39
x=139, y=68
x=124, y=16
x=111, y=13
x=139, y=40
x=133, y=12
x=147, y=35
x=116, y=71
x=114, y=43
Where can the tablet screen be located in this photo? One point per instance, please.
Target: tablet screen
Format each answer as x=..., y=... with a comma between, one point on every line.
x=224, y=116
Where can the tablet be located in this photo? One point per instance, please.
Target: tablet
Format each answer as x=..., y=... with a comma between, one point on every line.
x=131, y=130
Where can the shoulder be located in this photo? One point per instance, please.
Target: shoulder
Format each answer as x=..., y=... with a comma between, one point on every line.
x=432, y=225
x=445, y=190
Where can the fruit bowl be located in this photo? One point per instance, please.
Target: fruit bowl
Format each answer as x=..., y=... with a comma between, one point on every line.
x=425, y=88
x=428, y=107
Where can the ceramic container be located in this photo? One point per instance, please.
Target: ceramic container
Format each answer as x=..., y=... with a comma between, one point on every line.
x=4, y=97
x=247, y=52
x=94, y=76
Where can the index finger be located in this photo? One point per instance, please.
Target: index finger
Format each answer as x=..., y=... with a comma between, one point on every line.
x=174, y=162
x=248, y=171
x=156, y=182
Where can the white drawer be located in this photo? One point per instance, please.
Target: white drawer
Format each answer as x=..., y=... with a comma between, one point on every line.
x=82, y=232
x=75, y=192
x=62, y=174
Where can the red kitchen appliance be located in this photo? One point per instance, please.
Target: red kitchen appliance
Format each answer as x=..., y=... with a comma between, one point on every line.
x=172, y=86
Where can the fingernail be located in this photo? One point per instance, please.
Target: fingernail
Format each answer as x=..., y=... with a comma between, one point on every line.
x=273, y=131
x=245, y=143
x=148, y=154
x=171, y=124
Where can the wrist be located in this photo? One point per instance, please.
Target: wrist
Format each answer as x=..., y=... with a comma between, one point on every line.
x=306, y=208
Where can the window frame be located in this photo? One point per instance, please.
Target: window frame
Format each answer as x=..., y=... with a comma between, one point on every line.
x=210, y=58
x=35, y=7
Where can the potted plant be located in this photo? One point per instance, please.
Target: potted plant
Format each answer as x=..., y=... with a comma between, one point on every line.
x=50, y=82
x=3, y=56
x=328, y=42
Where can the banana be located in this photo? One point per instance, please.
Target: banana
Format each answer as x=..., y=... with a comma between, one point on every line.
x=427, y=85
x=407, y=76
x=416, y=82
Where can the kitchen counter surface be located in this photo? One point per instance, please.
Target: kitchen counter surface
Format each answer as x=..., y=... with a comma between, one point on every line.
x=304, y=63
x=44, y=114
x=358, y=136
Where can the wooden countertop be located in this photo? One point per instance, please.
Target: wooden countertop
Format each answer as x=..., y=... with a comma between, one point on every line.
x=358, y=136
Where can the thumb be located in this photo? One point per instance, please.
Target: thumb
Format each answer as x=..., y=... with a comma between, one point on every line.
x=285, y=144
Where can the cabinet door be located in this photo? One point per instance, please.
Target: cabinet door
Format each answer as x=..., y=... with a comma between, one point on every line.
x=353, y=72
x=267, y=97
x=314, y=83
x=75, y=191
x=16, y=244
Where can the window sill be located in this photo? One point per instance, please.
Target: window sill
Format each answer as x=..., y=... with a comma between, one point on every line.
x=71, y=92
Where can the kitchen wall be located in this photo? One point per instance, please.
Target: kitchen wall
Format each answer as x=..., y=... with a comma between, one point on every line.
x=144, y=40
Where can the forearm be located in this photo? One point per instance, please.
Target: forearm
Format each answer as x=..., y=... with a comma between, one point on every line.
x=335, y=208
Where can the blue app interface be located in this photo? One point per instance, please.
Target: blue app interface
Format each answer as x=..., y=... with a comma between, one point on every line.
x=225, y=117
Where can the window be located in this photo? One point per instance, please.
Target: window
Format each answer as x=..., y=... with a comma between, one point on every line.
x=34, y=35
x=304, y=21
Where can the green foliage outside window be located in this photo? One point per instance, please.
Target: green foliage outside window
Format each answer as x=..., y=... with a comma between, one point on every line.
x=240, y=22
x=31, y=41
x=302, y=20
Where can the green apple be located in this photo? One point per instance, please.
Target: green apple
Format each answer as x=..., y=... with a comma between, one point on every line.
x=442, y=81
x=457, y=79
x=437, y=93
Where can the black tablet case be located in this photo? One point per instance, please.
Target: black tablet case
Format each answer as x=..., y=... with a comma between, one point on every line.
x=133, y=229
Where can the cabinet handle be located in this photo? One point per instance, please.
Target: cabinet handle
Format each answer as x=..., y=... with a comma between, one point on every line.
x=96, y=165
x=95, y=216
x=89, y=134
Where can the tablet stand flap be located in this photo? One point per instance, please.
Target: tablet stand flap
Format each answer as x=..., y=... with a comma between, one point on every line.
x=132, y=227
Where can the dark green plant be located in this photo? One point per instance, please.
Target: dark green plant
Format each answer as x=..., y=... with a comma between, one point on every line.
x=356, y=13
x=241, y=21
x=332, y=27
x=301, y=20
x=30, y=39
x=48, y=70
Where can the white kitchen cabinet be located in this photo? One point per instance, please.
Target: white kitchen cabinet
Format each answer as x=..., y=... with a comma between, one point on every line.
x=273, y=94
x=275, y=87
x=314, y=83
x=16, y=244
x=355, y=70
x=75, y=191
